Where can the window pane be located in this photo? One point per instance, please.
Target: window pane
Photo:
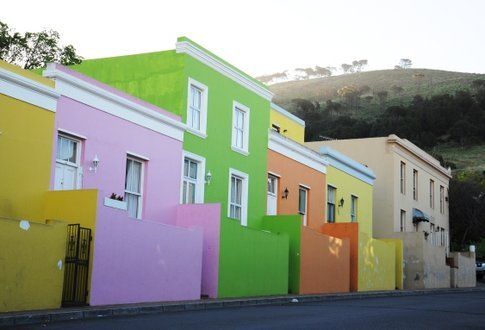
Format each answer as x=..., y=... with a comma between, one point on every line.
x=193, y=170
x=66, y=149
x=184, y=193
x=186, y=167
x=239, y=139
x=302, y=201
x=233, y=189
x=133, y=176
x=238, y=191
x=238, y=212
x=132, y=204
x=196, y=119
x=191, y=193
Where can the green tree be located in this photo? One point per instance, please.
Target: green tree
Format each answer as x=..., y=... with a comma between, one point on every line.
x=34, y=50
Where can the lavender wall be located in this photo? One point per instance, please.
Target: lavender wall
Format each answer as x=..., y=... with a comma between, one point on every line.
x=142, y=261
x=207, y=218
x=110, y=138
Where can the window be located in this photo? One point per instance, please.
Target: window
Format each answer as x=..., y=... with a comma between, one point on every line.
x=415, y=185
x=443, y=237
x=133, y=187
x=238, y=196
x=303, y=203
x=431, y=194
x=68, y=174
x=403, y=178
x=432, y=234
x=193, y=179
x=442, y=199
x=402, y=224
x=331, y=196
x=240, y=128
x=353, y=208
x=197, y=108
x=272, y=199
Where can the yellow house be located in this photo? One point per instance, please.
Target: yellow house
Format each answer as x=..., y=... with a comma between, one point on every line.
x=375, y=264
x=287, y=124
x=32, y=248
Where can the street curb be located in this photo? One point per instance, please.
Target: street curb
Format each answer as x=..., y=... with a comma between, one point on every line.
x=42, y=317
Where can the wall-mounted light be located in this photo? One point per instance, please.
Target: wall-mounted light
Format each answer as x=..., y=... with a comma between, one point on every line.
x=286, y=192
x=95, y=164
x=208, y=177
x=341, y=203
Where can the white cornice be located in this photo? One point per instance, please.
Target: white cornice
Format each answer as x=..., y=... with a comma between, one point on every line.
x=297, y=152
x=103, y=100
x=287, y=114
x=28, y=90
x=419, y=153
x=186, y=47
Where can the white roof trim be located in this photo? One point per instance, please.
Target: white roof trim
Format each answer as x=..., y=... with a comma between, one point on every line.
x=186, y=47
x=297, y=152
x=348, y=165
x=418, y=152
x=287, y=114
x=115, y=105
x=28, y=90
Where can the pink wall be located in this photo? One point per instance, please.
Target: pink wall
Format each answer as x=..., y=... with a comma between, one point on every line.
x=207, y=217
x=143, y=261
x=110, y=138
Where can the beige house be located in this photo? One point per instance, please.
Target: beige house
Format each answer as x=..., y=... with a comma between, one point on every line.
x=410, y=202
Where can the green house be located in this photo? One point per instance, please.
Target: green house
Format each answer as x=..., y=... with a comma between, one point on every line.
x=225, y=157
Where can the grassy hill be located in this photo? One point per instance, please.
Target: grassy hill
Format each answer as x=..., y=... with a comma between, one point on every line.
x=412, y=81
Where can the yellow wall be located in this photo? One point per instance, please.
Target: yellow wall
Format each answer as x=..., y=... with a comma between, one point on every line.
x=377, y=259
x=295, y=131
x=30, y=276
x=399, y=260
x=26, y=147
x=27, y=74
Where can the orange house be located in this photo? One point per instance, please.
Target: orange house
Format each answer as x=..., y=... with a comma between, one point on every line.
x=319, y=263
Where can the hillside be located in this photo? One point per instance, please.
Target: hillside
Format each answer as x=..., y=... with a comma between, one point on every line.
x=411, y=82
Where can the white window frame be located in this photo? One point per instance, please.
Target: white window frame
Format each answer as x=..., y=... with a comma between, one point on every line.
x=79, y=145
x=355, y=211
x=142, y=183
x=244, y=196
x=275, y=193
x=307, y=193
x=202, y=131
x=334, y=204
x=246, y=128
x=200, y=183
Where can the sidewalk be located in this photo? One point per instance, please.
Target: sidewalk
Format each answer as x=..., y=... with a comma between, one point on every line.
x=89, y=312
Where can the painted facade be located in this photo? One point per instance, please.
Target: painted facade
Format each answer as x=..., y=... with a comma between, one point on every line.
x=408, y=179
x=287, y=124
x=349, y=215
x=31, y=247
x=227, y=114
x=125, y=136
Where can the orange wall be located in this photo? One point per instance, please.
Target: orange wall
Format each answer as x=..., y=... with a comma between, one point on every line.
x=324, y=263
x=351, y=231
x=292, y=174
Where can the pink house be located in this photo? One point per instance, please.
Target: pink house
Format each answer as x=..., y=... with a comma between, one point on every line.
x=122, y=158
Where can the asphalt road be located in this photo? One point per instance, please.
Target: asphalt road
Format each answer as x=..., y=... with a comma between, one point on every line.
x=444, y=311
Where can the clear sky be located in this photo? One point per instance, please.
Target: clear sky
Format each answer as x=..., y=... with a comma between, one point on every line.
x=263, y=37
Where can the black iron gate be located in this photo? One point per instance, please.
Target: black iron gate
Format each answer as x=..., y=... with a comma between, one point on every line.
x=76, y=271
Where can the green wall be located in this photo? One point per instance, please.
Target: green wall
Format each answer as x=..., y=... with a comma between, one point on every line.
x=291, y=226
x=252, y=262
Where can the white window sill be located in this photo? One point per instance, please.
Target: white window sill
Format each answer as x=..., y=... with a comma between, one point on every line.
x=239, y=150
x=196, y=132
x=116, y=204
